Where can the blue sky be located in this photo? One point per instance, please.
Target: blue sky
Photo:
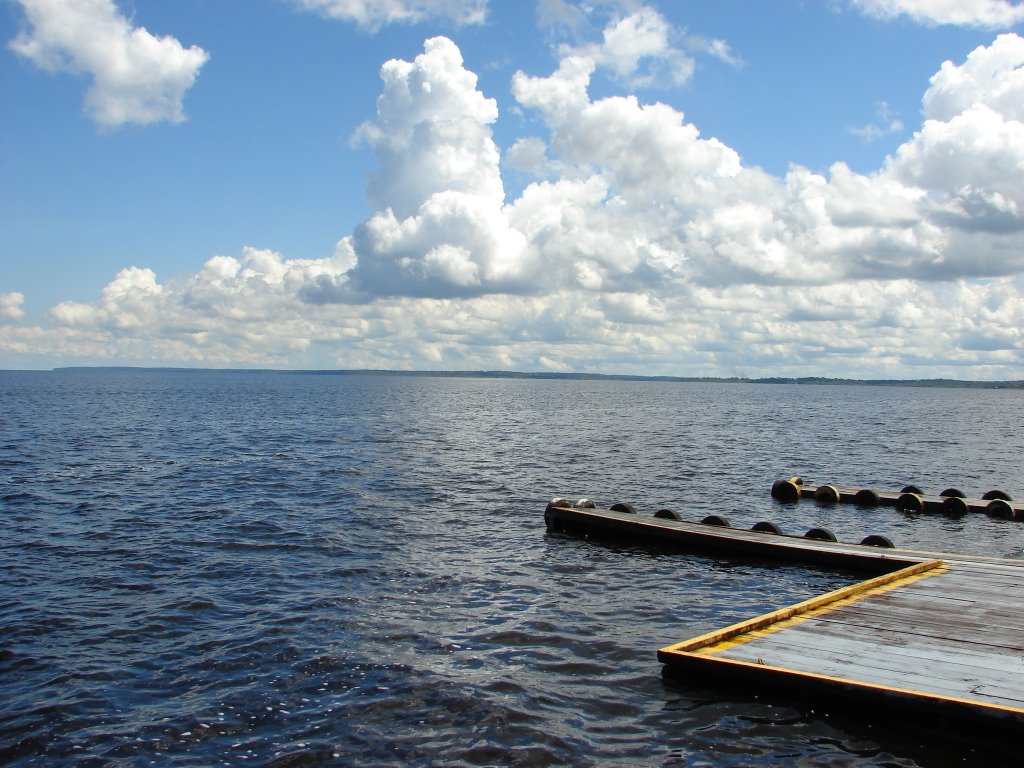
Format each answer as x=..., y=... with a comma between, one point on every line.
x=788, y=188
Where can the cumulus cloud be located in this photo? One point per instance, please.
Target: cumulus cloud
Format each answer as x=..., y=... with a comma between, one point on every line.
x=642, y=37
x=868, y=328
x=10, y=306
x=991, y=14
x=130, y=301
x=638, y=49
x=947, y=204
x=640, y=245
x=969, y=154
x=992, y=76
x=440, y=228
x=374, y=14
x=136, y=77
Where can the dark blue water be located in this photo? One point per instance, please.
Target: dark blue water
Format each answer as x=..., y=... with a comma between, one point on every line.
x=286, y=569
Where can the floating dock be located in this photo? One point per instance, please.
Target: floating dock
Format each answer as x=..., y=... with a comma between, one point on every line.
x=937, y=636
x=910, y=498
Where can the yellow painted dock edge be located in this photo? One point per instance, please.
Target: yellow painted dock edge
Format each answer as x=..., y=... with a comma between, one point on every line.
x=702, y=648
x=849, y=594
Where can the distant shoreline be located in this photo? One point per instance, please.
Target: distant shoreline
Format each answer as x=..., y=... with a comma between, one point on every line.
x=805, y=380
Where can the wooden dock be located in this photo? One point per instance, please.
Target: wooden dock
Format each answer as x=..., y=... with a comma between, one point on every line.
x=939, y=637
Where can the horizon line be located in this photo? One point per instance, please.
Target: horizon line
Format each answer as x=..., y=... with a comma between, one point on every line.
x=569, y=375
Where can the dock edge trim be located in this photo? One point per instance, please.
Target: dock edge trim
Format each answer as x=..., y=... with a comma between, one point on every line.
x=892, y=580
x=687, y=653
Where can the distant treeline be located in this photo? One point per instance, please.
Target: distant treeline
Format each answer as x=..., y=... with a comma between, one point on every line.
x=811, y=380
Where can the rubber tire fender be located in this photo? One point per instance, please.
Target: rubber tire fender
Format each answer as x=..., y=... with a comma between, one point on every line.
x=955, y=505
x=549, y=512
x=991, y=495
x=820, y=534
x=667, y=514
x=877, y=540
x=826, y=494
x=785, y=490
x=1000, y=508
x=910, y=502
x=866, y=497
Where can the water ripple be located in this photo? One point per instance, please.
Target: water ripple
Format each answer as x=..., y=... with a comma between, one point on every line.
x=291, y=570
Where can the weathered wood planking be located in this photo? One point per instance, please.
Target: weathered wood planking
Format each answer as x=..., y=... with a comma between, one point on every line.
x=950, y=636
x=935, y=635
x=626, y=526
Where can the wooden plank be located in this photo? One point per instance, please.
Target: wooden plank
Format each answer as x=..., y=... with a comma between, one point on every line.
x=913, y=624
x=897, y=639
x=694, y=536
x=899, y=667
x=934, y=666
x=975, y=626
x=989, y=716
x=776, y=617
x=971, y=690
x=998, y=595
x=950, y=684
x=994, y=597
x=832, y=642
x=927, y=633
x=974, y=614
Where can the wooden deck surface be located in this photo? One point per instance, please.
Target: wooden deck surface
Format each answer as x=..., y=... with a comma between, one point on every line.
x=951, y=634
x=937, y=635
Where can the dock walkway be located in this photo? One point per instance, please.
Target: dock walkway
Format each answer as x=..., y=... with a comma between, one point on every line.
x=938, y=635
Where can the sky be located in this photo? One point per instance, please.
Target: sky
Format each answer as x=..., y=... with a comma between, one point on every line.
x=649, y=187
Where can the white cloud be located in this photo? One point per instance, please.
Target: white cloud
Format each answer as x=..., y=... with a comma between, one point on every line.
x=561, y=13
x=969, y=154
x=553, y=365
x=641, y=246
x=131, y=301
x=10, y=306
x=715, y=47
x=946, y=205
x=868, y=328
x=886, y=121
x=637, y=44
x=637, y=48
x=136, y=77
x=992, y=76
x=374, y=14
x=432, y=132
x=439, y=227
x=992, y=14
x=971, y=166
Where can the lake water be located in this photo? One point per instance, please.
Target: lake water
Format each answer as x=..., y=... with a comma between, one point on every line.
x=205, y=568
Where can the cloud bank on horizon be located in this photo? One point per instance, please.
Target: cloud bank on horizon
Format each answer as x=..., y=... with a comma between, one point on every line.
x=636, y=246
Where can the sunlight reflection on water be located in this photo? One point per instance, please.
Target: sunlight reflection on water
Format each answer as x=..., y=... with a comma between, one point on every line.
x=298, y=569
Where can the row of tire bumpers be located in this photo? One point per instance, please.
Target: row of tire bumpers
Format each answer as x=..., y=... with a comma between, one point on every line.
x=716, y=521
x=910, y=498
